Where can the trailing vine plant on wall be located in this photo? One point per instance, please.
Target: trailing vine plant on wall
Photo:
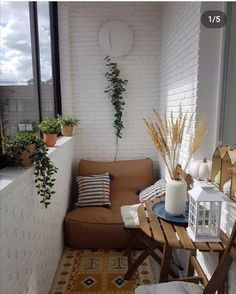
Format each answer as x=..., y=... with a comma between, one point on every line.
x=116, y=89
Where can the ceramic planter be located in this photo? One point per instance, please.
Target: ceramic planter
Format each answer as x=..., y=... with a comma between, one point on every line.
x=50, y=139
x=175, y=199
x=67, y=131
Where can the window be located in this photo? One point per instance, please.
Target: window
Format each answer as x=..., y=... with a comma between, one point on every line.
x=228, y=107
x=29, y=77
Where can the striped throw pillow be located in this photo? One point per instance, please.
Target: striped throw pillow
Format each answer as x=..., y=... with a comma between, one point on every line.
x=94, y=190
x=156, y=190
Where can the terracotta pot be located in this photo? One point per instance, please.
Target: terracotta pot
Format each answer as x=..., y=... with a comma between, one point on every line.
x=50, y=139
x=67, y=131
x=24, y=157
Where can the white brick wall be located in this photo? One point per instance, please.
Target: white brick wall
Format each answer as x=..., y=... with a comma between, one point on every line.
x=31, y=237
x=183, y=47
x=162, y=69
x=84, y=71
x=180, y=28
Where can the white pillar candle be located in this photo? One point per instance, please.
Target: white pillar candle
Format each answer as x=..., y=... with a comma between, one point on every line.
x=175, y=199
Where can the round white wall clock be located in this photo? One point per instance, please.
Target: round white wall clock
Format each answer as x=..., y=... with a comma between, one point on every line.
x=116, y=38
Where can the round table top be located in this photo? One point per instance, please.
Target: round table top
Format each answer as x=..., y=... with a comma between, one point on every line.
x=176, y=236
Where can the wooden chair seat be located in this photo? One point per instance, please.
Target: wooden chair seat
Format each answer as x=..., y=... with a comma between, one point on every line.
x=182, y=286
x=171, y=287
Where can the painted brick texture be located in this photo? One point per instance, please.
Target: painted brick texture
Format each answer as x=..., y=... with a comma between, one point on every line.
x=31, y=237
x=85, y=61
x=180, y=30
x=179, y=82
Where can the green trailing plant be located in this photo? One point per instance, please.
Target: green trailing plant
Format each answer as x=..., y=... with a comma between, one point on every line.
x=44, y=168
x=50, y=126
x=68, y=121
x=116, y=89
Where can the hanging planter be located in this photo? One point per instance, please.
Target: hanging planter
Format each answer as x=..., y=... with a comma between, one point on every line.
x=24, y=156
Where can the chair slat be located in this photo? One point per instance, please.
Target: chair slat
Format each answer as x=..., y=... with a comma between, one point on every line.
x=202, y=246
x=184, y=238
x=232, y=253
x=170, y=234
x=215, y=246
x=144, y=225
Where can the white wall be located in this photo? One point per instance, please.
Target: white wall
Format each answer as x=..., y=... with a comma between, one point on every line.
x=179, y=56
x=85, y=67
x=209, y=80
x=173, y=59
x=31, y=237
x=190, y=73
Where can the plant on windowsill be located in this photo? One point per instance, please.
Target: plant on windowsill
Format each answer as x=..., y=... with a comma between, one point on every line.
x=50, y=127
x=67, y=124
x=116, y=90
x=26, y=150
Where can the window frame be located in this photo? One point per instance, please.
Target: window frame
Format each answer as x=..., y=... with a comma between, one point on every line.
x=55, y=59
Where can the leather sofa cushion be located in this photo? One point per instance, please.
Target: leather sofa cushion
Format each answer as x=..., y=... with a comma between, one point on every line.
x=129, y=175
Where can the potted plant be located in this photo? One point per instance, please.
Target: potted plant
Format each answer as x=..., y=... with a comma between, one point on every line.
x=50, y=127
x=167, y=133
x=27, y=150
x=67, y=124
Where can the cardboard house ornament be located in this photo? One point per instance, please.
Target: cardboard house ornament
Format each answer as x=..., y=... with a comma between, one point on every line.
x=217, y=164
x=227, y=167
x=233, y=184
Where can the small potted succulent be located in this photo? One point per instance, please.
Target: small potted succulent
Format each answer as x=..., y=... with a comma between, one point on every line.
x=67, y=124
x=25, y=150
x=50, y=127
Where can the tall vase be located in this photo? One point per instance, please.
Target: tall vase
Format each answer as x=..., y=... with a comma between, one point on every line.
x=175, y=199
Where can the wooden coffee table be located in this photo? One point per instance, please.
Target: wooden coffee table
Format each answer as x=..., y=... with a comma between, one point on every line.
x=171, y=237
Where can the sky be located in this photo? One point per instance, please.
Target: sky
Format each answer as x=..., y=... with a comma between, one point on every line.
x=15, y=53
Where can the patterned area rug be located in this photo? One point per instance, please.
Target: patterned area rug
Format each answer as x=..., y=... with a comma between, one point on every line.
x=98, y=272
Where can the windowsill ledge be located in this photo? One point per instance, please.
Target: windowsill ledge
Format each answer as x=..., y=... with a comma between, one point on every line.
x=9, y=176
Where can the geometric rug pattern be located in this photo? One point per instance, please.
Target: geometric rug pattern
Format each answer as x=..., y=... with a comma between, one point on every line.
x=98, y=272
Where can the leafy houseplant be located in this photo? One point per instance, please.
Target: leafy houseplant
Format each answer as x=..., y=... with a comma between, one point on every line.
x=67, y=124
x=50, y=127
x=27, y=149
x=116, y=90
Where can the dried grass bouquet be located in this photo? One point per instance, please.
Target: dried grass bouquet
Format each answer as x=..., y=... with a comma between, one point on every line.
x=167, y=135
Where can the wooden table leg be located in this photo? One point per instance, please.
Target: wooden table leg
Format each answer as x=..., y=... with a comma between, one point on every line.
x=165, y=265
x=137, y=262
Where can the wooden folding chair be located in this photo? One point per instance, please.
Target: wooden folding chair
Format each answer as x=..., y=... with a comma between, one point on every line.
x=191, y=284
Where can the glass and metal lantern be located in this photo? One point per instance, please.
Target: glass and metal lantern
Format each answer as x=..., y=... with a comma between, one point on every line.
x=204, y=214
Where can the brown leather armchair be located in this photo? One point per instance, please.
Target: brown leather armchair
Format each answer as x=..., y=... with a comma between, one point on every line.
x=99, y=227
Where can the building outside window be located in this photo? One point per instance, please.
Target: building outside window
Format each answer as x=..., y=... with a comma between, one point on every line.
x=29, y=81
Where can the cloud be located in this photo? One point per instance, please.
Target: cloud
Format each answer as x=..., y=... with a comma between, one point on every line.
x=15, y=56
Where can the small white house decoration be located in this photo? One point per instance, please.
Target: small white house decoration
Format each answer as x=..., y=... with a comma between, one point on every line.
x=204, y=214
